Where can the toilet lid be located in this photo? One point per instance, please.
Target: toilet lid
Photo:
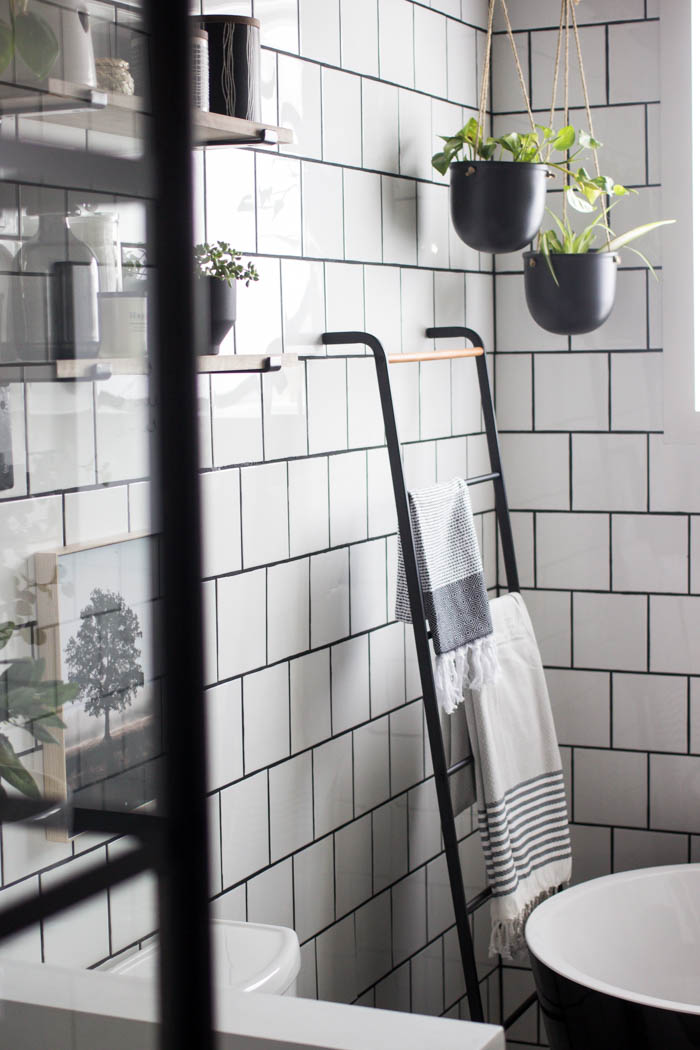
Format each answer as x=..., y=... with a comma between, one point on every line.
x=247, y=956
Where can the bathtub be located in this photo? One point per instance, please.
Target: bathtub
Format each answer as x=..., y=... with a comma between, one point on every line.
x=617, y=961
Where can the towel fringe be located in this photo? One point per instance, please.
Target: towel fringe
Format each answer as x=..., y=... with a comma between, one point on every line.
x=508, y=935
x=471, y=666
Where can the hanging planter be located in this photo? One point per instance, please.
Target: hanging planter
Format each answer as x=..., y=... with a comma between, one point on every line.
x=570, y=281
x=573, y=297
x=497, y=205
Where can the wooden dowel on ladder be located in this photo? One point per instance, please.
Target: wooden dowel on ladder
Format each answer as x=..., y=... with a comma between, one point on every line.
x=435, y=355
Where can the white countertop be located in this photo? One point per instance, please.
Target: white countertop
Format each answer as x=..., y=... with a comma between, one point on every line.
x=72, y=1006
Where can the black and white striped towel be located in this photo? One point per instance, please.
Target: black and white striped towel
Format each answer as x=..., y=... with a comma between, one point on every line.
x=454, y=594
x=521, y=800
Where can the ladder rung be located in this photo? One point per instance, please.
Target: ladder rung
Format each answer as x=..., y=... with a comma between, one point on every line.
x=462, y=764
x=477, y=901
x=481, y=478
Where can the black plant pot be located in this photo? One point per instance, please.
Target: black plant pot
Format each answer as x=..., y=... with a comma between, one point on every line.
x=222, y=311
x=497, y=206
x=583, y=298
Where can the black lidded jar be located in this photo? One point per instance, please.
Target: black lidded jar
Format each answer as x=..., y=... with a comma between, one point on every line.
x=234, y=65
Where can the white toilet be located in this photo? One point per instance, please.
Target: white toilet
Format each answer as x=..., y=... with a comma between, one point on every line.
x=248, y=957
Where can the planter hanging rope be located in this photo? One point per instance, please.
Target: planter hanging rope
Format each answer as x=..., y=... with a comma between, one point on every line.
x=567, y=23
x=497, y=206
x=486, y=70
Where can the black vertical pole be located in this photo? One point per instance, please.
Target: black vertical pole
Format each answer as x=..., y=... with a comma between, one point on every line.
x=502, y=512
x=185, y=984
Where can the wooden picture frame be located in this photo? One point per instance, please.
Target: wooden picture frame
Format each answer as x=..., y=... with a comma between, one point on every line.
x=98, y=608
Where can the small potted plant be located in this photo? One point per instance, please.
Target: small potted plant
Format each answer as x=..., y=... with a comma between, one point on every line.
x=220, y=266
x=498, y=205
x=570, y=280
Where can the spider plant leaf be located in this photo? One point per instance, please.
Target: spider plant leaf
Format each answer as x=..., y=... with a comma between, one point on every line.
x=548, y=260
x=564, y=139
x=7, y=45
x=559, y=223
x=639, y=231
x=644, y=260
x=36, y=42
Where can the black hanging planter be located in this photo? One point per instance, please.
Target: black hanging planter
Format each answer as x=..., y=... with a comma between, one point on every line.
x=582, y=300
x=497, y=206
x=222, y=310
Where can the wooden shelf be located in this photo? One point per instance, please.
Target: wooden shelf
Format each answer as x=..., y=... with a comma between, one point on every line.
x=79, y=106
x=100, y=369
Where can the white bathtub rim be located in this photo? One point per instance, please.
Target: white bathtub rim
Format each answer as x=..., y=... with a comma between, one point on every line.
x=535, y=942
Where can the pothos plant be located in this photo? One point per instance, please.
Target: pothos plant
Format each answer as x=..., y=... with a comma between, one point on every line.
x=224, y=263
x=31, y=37
x=30, y=703
x=591, y=195
x=469, y=144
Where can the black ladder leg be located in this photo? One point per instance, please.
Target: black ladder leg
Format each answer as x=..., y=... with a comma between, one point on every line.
x=432, y=716
x=502, y=513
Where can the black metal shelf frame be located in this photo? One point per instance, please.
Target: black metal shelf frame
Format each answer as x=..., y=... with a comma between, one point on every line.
x=462, y=908
x=174, y=843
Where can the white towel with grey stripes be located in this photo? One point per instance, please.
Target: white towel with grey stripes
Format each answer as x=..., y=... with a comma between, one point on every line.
x=454, y=594
x=521, y=800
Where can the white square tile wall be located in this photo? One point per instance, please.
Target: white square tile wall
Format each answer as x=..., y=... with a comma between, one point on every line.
x=317, y=753
x=609, y=541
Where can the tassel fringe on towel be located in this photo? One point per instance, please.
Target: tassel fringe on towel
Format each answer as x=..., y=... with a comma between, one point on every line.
x=471, y=666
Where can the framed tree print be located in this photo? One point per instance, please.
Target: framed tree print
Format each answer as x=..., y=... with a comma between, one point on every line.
x=98, y=608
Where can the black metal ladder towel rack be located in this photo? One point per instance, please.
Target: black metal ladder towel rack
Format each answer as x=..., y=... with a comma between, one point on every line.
x=462, y=908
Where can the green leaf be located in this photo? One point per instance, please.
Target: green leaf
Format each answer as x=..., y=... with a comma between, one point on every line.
x=6, y=632
x=619, y=191
x=441, y=163
x=470, y=130
x=564, y=139
x=632, y=235
x=578, y=202
x=511, y=142
x=587, y=141
x=488, y=148
x=41, y=733
x=12, y=770
x=36, y=42
x=7, y=46
x=545, y=252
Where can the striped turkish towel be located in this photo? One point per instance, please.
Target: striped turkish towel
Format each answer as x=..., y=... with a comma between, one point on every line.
x=521, y=799
x=454, y=595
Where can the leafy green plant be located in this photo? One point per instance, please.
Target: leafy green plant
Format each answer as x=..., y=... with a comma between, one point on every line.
x=30, y=36
x=590, y=195
x=30, y=703
x=469, y=144
x=223, y=262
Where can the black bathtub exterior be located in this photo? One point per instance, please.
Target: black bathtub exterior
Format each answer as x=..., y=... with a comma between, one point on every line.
x=579, y=1018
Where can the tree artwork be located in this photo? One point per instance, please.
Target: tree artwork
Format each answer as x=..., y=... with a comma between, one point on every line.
x=103, y=657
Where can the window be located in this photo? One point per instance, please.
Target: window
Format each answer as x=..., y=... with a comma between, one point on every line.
x=680, y=173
